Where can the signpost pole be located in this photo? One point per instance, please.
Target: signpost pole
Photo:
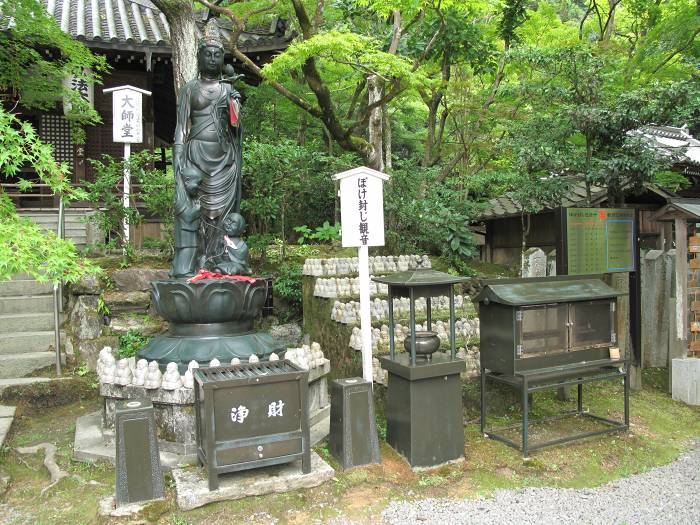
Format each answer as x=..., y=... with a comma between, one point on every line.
x=127, y=127
x=127, y=190
x=362, y=220
x=365, y=316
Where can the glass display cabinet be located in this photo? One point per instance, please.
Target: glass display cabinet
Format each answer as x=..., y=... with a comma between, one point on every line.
x=550, y=332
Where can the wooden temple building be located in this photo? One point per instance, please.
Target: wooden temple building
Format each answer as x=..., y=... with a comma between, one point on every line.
x=502, y=219
x=134, y=37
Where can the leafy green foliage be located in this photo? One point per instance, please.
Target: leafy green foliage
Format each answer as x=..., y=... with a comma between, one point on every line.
x=157, y=189
x=422, y=214
x=131, y=342
x=24, y=247
x=285, y=184
x=36, y=82
x=36, y=78
x=358, y=53
x=305, y=233
x=288, y=284
x=324, y=233
x=327, y=233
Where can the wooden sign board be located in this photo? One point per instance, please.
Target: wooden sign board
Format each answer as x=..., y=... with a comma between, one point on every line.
x=362, y=207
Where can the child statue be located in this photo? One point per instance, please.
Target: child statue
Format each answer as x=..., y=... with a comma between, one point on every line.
x=187, y=218
x=171, y=378
x=122, y=376
x=154, y=378
x=234, y=261
x=140, y=372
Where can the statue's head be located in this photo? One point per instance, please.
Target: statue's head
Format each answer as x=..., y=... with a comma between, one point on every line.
x=234, y=224
x=210, y=58
x=192, y=178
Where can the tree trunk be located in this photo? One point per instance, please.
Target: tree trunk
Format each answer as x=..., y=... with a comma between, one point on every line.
x=375, y=127
x=430, y=139
x=386, y=128
x=183, y=38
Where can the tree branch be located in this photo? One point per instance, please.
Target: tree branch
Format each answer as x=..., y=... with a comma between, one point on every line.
x=396, y=36
x=485, y=106
x=318, y=16
x=583, y=20
x=677, y=51
x=303, y=18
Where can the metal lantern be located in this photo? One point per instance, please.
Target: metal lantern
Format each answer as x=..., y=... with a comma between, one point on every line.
x=424, y=400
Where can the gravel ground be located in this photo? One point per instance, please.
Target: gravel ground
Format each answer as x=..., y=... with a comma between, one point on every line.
x=664, y=495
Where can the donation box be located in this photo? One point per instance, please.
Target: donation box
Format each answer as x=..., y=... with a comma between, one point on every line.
x=250, y=416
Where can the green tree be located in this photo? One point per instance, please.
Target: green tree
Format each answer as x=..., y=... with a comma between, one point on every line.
x=36, y=82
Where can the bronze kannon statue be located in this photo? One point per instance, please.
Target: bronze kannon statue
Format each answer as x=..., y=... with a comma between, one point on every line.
x=213, y=315
x=208, y=141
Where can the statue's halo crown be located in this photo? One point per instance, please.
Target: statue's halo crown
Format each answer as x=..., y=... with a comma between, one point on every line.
x=212, y=35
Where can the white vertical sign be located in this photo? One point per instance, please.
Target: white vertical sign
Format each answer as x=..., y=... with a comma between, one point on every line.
x=127, y=127
x=127, y=116
x=362, y=208
x=362, y=223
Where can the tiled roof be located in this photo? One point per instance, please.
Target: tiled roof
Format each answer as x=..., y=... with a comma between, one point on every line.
x=667, y=140
x=506, y=207
x=139, y=25
x=671, y=142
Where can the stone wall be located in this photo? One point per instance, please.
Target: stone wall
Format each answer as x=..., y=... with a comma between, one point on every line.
x=125, y=295
x=657, y=274
x=329, y=287
x=86, y=332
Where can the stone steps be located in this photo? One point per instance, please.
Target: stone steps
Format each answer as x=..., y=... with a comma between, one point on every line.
x=19, y=365
x=12, y=323
x=27, y=342
x=7, y=414
x=26, y=304
x=26, y=326
x=24, y=287
x=21, y=381
x=75, y=227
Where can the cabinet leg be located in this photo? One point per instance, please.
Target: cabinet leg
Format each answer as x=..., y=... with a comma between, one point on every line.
x=579, y=399
x=627, y=397
x=213, y=480
x=482, y=419
x=306, y=462
x=526, y=422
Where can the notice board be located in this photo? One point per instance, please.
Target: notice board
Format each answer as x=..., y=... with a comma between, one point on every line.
x=600, y=240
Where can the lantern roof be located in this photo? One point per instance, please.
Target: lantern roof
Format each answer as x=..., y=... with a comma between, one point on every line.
x=420, y=277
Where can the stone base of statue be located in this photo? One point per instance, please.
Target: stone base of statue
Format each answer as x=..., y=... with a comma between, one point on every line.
x=209, y=319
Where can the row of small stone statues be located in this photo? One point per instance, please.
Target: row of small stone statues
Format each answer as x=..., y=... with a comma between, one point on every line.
x=349, y=313
x=149, y=376
x=346, y=287
x=467, y=329
x=378, y=264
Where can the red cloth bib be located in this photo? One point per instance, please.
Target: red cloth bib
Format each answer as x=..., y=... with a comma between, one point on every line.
x=204, y=274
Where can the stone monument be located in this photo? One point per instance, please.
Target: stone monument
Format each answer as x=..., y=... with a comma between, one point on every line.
x=211, y=299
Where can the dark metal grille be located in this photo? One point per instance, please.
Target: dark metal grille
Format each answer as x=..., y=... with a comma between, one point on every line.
x=245, y=371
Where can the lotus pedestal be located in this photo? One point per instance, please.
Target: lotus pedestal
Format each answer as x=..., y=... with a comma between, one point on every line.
x=209, y=319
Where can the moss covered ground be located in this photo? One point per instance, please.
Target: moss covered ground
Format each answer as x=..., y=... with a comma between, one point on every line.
x=661, y=429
